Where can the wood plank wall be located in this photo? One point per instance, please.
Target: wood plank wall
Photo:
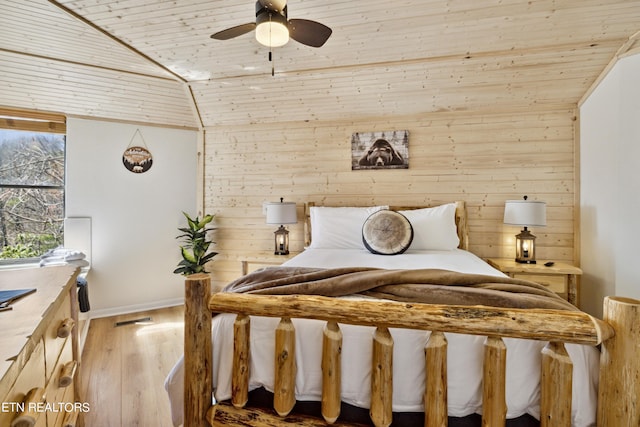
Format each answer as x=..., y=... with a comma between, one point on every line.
x=482, y=158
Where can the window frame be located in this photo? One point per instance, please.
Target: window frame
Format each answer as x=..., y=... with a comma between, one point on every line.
x=34, y=121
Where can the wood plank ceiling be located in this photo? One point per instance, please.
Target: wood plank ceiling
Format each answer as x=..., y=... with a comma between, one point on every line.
x=153, y=61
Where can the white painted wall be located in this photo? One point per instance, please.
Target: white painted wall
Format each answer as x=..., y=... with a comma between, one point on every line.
x=610, y=187
x=134, y=216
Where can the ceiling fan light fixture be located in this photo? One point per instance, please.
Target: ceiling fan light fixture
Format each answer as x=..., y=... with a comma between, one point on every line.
x=271, y=29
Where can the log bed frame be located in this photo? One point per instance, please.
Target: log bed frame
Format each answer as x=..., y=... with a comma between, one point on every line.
x=618, y=335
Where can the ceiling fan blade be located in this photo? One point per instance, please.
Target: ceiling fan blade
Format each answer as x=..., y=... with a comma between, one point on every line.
x=232, y=32
x=275, y=5
x=310, y=33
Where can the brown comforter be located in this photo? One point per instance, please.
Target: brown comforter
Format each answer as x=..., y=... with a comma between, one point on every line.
x=432, y=286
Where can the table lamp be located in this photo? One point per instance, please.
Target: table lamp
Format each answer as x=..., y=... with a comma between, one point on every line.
x=526, y=213
x=281, y=213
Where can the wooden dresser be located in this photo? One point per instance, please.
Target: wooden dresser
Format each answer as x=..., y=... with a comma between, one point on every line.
x=39, y=363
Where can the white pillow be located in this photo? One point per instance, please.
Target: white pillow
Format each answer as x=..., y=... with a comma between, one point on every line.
x=433, y=228
x=339, y=228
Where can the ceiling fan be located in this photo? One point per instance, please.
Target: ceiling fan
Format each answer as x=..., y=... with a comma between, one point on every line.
x=273, y=29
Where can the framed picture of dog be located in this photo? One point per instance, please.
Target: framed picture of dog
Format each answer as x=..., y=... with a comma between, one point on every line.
x=380, y=150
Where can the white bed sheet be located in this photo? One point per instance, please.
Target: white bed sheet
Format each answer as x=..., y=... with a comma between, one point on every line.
x=464, y=357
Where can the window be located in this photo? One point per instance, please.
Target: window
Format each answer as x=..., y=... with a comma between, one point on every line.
x=32, y=165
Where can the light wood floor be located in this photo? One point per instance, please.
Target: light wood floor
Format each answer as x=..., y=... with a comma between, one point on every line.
x=124, y=367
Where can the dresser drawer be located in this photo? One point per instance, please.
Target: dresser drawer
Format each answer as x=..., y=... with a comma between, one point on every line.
x=52, y=342
x=555, y=282
x=31, y=376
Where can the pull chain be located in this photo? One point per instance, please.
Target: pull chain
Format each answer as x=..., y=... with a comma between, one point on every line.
x=273, y=72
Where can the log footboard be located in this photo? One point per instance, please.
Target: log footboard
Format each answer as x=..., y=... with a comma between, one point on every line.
x=619, y=335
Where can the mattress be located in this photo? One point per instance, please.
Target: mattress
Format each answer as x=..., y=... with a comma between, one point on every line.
x=464, y=357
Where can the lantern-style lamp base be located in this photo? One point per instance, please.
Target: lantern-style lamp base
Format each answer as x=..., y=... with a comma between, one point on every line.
x=281, y=236
x=525, y=247
x=281, y=213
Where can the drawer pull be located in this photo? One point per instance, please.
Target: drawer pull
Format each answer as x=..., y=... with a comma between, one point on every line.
x=67, y=374
x=70, y=419
x=65, y=327
x=29, y=416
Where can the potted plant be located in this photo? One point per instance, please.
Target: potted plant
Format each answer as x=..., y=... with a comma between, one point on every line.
x=195, y=246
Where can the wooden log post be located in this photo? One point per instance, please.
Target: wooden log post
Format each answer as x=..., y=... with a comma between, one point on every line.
x=331, y=372
x=555, y=387
x=619, y=386
x=494, y=406
x=75, y=339
x=197, y=350
x=381, y=410
x=241, y=352
x=284, y=397
x=435, y=392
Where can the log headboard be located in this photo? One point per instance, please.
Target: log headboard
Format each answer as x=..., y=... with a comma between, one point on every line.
x=461, y=221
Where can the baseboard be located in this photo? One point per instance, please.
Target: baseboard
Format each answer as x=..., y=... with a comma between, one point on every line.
x=114, y=311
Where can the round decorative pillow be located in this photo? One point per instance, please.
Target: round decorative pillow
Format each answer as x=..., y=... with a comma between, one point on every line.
x=387, y=232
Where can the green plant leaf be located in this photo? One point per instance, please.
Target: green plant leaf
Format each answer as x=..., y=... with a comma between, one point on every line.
x=181, y=270
x=193, y=224
x=208, y=257
x=188, y=255
x=206, y=220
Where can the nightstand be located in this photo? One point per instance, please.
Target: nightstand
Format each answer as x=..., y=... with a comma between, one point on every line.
x=253, y=261
x=561, y=277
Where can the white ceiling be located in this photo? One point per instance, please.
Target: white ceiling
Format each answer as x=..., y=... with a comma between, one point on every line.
x=153, y=61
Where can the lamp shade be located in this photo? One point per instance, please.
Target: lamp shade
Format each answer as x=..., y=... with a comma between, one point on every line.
x=271, y=29
x=526, y=213
x=281, y=213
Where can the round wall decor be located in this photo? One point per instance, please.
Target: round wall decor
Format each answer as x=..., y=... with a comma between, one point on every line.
x=137, y=158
